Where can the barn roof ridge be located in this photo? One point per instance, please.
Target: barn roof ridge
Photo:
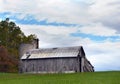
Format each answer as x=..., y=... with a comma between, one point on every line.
x=58, y=47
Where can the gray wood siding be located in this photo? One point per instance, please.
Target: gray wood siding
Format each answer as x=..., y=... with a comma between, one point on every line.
x=87, y=66
x=55, y=65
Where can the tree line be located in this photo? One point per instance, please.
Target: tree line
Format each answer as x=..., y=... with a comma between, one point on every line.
x=11, y=37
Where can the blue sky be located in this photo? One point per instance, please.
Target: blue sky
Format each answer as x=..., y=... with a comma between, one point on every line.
x=94, y=24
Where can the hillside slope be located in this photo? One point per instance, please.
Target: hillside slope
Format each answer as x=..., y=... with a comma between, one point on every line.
x=74, y=78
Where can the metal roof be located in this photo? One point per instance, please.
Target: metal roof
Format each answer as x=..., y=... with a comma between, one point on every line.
x=52, y=52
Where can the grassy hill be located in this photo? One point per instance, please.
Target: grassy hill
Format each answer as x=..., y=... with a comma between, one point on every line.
x=111, y=77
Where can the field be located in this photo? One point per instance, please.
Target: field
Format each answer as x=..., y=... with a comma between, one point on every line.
x=110, y=77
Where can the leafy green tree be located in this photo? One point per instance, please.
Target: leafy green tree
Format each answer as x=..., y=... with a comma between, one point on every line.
x=11, y=37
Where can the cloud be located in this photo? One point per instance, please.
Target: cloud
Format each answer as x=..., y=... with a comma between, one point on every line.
x=52, y=35
x=98, y=29
x=53, y=30
x=66, y=11
x=104, y=56
x=104, y=8
x=107, y=12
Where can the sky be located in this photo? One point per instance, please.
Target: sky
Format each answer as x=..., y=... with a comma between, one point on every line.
x=93, y=24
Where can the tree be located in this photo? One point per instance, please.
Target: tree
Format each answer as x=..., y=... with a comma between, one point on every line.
x=7, y=63
x=11, y=37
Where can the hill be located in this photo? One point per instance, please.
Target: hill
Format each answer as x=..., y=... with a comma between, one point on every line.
x=111, y=77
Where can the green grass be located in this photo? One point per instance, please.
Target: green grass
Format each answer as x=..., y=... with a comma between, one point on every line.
x=74, y=78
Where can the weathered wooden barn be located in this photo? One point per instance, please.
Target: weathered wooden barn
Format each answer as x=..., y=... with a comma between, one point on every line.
x=55, y=60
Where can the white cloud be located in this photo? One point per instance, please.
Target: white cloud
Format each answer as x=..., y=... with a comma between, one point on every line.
x=107, y=12
x=104, y=56
x=98, y=29
x=53, y=30
x=104, y=8
x=67, y=11
x=51, y=35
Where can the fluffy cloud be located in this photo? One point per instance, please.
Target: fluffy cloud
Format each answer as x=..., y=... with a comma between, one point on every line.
x=51, y=35
x=53, y=30
x=104, y=55
x=66, y=11
x=104, y=8
x=107, y=12
x=98, y=29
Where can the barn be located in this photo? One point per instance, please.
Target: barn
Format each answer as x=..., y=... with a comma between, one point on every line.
x=55, y=60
